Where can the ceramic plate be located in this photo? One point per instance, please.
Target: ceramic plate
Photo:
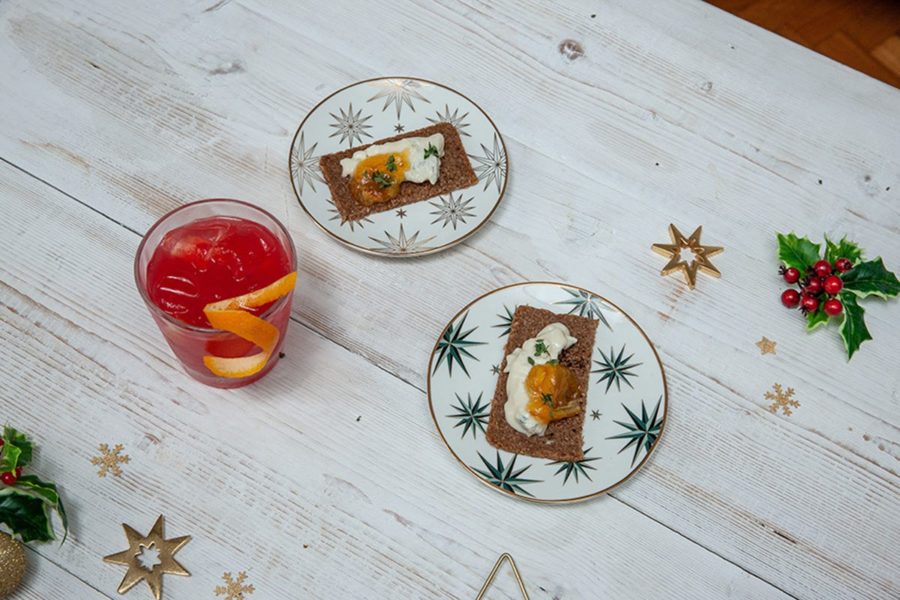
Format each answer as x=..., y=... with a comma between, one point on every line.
x=626, y=404
x=380, y=108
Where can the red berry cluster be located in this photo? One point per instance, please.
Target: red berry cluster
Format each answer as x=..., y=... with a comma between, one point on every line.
x=9, y=478
x=819, y=279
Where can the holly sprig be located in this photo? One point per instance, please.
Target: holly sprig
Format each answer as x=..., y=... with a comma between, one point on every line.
x=26, y=502
x=859, y=280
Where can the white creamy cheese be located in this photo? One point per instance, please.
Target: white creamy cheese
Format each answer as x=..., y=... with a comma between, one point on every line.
x=556, y=338
x=420, y=168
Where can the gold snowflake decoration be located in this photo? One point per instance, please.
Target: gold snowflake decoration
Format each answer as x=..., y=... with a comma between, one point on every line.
x=783, y=399
x=234, y=588
x=109, y=460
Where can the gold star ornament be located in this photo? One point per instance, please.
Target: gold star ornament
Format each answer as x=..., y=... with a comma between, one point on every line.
x=700, y=260
x=139, y=545
x=766, y=346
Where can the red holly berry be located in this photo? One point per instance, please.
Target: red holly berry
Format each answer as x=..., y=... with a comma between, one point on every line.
x=833, y=307
x=822, y=268
x=813, y=287
x=833, y=284
x=790, y=298
x=843, y=264
x=8, y=478
x=809, y=303
x=791, y=275
x=18, y=472
x=2, y=441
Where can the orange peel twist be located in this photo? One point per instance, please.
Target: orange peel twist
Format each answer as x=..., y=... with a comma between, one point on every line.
x=231, y=315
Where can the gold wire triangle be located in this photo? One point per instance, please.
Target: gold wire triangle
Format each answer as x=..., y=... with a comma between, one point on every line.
x=490, y=579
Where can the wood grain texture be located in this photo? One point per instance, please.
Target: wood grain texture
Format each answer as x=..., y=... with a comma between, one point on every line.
x=674, y=113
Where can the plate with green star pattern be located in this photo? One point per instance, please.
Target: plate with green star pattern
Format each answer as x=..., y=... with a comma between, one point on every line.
x=373, y=110
x=626, y=397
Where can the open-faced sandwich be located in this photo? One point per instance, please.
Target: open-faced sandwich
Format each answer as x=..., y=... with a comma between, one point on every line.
x=539, y=404
x=397, y=171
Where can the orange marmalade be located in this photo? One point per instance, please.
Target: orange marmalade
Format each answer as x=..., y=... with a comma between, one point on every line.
x=552, y=391
x=377, y=178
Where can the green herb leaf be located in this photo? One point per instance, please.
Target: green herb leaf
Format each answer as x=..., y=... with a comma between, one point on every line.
x=540, y=348
x=28, y=517
x=530, y=361
x=871, y=278
x=381, y=179
x=391, y=165
x=814, y=319
x=843, y=249
x=799, y=253
x=853, y=328
x=552, y=361
x=547, y=399
x=430, y=151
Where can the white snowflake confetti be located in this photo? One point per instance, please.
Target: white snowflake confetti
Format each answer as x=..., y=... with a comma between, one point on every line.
x=452, y=210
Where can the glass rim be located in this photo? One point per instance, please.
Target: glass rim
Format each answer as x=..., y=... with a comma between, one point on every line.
x=156, y=310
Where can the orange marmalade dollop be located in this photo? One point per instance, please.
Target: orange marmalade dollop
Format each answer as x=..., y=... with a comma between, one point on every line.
x=377, y=178
x=552, y=391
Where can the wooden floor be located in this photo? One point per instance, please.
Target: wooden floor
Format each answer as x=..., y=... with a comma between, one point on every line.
x=862, y=34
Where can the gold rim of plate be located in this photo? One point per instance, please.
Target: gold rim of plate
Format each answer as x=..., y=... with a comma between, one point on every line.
x=370, y=251
x=631, y=473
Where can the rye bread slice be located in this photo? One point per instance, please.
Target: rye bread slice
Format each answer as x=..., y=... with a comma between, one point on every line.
x=456, y=173
x=564, y=439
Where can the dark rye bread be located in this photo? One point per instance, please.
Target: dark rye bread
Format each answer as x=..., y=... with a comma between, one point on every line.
x=456, y=173
x=564, y=439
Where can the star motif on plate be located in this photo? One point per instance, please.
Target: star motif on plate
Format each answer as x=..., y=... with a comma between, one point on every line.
x=495, y=370
x=350, y=125
x=766, y=346
x=401, y=244
x=454, y=119
x=452, y=210
x=109, y=460
x=399, y=92
x=305, y=166
x=353, y=223
x=491, y=166
x=399, y=128
x=165, y=562
x=401, y=213
x=677, y=263
x=595, y=415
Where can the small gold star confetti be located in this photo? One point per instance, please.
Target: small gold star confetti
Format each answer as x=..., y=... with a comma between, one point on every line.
x=595, y=415
x=109, y=460
x=700, y=259
x=503, y=557
x=234, y=589
x=165, y=562
x=766, y=346
x=783, y=399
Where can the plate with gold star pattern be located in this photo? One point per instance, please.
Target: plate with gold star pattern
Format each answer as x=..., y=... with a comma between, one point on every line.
x=369, y=111
x=626, y=405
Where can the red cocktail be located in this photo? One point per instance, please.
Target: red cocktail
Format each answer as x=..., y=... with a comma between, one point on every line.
x=209, y=252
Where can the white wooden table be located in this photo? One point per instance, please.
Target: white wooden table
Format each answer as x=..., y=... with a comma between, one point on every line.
x=327, y=479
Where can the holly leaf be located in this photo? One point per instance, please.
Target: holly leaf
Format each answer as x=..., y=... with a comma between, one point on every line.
x=853, y=328
x=815, y=319
x=871, y=278
x=27, y=516
x=47, y=492
x=10, y=458
x=17, y=439
x=843, y=249
x=799, y=253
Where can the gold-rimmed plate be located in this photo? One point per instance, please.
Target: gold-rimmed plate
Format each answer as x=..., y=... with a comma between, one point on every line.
x=375, y=109
x=626, y=400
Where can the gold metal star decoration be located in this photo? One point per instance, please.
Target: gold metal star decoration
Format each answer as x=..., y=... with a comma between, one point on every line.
x=766, y=346
x=487, y=584
x=700, y=259
x=109, y=460
x=166, y=563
